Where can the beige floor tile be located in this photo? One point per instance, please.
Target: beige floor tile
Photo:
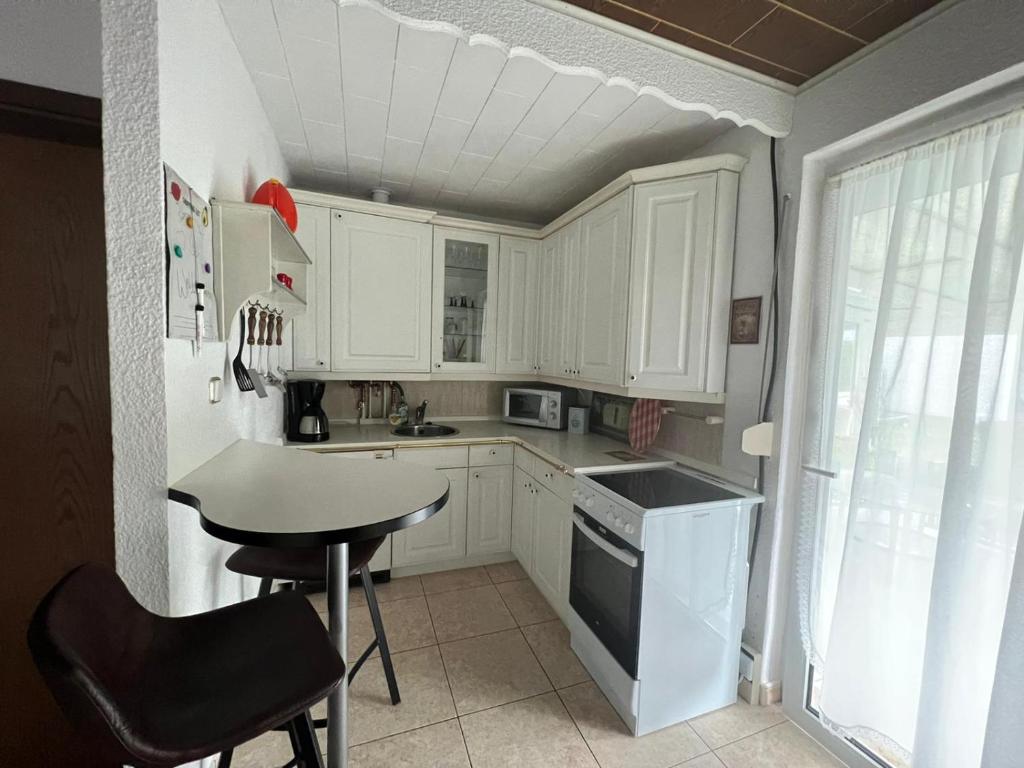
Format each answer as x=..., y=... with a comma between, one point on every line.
x=447, y=581
x=490, y=670
x=406, y=623
x=510, y=571
x=270, y=749
x=704, y=761
x=436, y=746
x=396, y=589
x=426, y=698
x=612, y=743
x=527, y=604
x=781, y=746
x=468, y=612
x=550, y=642
x=536, y=733
x=735, y=722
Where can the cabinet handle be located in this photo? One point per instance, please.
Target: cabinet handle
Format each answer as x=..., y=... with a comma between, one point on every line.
x=476, y=475
x=493, y=452
x=437, y=365
x=632, y=377
x=320, y=363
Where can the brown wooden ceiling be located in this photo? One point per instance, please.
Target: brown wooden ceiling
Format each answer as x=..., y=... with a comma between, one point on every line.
x=792, y=40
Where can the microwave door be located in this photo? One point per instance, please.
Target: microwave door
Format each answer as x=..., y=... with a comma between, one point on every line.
x=526, y=407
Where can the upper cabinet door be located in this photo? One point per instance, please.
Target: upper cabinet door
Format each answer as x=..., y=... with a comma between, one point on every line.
x=380, y=289
x=603, y=277
x=567, y=299
x=673, y=282
x=465, y=300
x=518, y=305
x=549, y=333
x=311, y=332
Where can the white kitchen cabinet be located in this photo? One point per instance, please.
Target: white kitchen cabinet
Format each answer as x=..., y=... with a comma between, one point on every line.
x=680, y=283
x=566, y=297
x=549, y=352
x=489, y=514
x=523, y=512
x=603, y=275
x=441, y=536
x=552, y=547
x=311, y=332
x=381, y=561
x=380, y=293
x=465, y=293
x=518, y=305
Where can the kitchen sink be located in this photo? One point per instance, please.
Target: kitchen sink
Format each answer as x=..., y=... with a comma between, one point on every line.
x=424, y=430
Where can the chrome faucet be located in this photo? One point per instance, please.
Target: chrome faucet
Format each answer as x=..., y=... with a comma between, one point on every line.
x=421, y=413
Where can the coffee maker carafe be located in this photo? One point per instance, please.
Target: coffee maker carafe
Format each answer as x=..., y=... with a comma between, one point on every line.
x=306, y=420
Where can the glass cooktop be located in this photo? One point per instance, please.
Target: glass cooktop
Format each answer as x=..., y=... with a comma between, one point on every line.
x=660, y=487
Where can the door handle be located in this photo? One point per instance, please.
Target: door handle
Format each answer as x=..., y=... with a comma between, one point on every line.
x=624, y=557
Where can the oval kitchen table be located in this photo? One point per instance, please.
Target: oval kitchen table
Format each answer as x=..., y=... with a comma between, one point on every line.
x=275, y=496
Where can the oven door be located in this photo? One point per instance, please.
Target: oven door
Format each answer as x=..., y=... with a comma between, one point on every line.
x=525, y=406
x=605, y=582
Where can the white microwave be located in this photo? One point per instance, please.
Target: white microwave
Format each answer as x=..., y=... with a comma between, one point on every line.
x=547, y=408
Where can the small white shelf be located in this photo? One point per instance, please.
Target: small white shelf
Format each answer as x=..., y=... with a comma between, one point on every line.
x=251, y=245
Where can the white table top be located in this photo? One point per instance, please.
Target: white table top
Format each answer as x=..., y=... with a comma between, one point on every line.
x=270, y=495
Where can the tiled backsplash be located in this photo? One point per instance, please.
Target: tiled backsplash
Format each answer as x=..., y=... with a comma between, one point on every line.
x=446, y=398
x=680, y=435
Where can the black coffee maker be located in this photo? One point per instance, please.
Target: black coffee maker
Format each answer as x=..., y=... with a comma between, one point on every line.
x=305, y=420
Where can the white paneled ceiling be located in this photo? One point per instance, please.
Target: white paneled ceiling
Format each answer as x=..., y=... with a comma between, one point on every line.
x=360, y=98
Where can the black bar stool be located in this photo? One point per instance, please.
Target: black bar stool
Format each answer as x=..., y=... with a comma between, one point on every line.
x=155, y=692
x=309, y=564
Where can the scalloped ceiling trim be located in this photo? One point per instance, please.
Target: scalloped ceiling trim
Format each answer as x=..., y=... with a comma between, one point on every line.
x=515, y=51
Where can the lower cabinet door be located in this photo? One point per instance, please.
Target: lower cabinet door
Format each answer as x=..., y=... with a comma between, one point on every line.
x=439, y=537
x=523, y=495
x=489, y=517
x=381, y=561
x=552, y=547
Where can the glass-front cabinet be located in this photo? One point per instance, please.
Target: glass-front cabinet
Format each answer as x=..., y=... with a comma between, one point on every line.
x=465, y=300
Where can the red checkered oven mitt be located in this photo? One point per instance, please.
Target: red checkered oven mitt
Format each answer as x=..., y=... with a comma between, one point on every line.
x=644, y=423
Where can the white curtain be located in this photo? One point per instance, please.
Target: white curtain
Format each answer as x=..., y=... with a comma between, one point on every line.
x=913, y=458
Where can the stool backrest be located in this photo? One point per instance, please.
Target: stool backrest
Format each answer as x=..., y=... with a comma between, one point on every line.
x=89, y=638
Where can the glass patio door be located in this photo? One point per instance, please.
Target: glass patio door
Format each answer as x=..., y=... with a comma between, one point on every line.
x=913, y=449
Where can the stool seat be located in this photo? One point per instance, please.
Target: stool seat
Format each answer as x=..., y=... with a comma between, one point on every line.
x=297, y=563
x=157, y=691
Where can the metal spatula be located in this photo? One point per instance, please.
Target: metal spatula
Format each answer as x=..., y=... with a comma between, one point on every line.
x=241, y=374
x=254, y=376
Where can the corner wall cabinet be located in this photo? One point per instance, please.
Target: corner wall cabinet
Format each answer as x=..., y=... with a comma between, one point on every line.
x=628, y=293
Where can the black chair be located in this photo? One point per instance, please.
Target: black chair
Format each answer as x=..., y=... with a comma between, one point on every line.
x=303, y=566
x=154, y=692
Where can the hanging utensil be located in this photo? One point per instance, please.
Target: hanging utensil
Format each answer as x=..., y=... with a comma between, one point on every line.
x=241, y=374
x=254, y=375
x=251, y=340
x=280, y=332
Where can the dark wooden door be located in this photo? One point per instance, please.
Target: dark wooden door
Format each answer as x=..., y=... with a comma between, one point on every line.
x=56, y=506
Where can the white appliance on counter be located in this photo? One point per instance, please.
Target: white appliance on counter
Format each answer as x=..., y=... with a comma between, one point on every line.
x=548, y=408
x=657, y=589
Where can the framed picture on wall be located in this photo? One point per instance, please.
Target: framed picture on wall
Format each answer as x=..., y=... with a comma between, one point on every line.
x=745, y=324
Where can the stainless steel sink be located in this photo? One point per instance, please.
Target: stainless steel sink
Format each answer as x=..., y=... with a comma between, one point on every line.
x=424, y=430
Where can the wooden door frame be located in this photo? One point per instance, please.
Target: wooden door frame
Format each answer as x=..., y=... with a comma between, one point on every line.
x=43, y=113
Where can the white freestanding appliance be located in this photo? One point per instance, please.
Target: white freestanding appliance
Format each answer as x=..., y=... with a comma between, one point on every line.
x=658, y=586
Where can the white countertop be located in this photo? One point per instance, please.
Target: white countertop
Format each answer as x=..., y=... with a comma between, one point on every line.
x=587, y=452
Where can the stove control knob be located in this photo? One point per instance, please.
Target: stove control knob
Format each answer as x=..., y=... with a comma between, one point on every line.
x=588, y=503
x=610, y=517
x=576, y=495
x=629, y=528
x=618, y=522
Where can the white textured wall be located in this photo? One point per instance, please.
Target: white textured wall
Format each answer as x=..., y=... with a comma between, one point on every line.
x=752, y=272
x=214, y=133
x=52, y=43
x=135, y=295
x=966, y=42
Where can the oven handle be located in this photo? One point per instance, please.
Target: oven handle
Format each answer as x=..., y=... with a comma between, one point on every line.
x=624, y=557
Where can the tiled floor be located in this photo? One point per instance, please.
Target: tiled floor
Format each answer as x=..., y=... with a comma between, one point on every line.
x=488, y=680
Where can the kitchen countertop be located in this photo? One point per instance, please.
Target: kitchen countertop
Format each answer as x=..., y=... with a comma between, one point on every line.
x=574, y=453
